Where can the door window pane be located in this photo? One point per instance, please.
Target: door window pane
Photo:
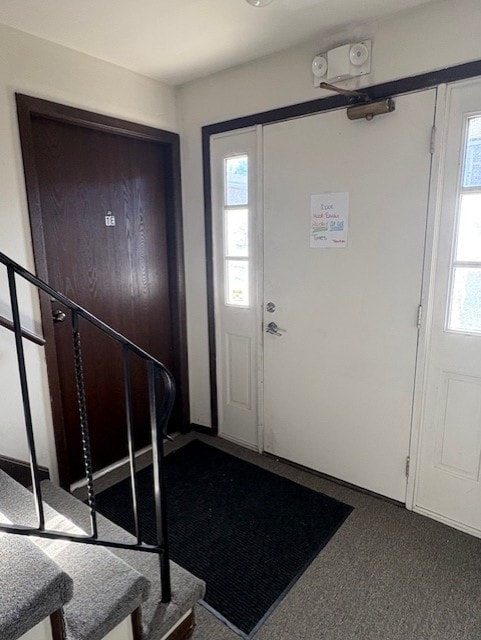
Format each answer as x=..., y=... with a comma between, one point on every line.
x=472, y=159
x=468, y=246
x=466, y=300
x=237, y=232
x=464, y=304
x=235, y=180
x=237, y=282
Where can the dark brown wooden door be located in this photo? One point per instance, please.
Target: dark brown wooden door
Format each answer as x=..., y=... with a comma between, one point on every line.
x=104, y=203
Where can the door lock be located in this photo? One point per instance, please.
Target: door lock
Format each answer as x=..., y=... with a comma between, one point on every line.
x=270, y=307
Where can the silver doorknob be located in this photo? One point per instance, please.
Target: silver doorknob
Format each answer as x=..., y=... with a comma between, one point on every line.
x=274, y=330
x=58, y=315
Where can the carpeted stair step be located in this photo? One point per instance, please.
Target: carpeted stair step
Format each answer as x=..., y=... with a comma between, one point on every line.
x=106, y=589
x=32, y=587
x=157, y=618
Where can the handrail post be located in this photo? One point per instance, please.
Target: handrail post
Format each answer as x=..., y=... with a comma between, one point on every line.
x=84, y=426
x=130, y=439
x=159, y=485
x=25, y=397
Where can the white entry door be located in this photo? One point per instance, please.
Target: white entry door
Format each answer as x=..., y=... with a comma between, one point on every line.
x=449, y=475
x=339, y=379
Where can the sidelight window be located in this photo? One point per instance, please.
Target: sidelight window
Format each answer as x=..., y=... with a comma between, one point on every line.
x=236, y=231
x=464, y=309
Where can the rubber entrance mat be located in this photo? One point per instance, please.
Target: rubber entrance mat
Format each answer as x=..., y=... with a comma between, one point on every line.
x=247, y=532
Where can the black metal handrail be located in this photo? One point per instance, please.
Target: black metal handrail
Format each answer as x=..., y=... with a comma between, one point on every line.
x=159, y=416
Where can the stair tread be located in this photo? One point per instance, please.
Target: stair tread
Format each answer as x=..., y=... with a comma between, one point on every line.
x=106, y=589
x=187, y=589
x=32, y=586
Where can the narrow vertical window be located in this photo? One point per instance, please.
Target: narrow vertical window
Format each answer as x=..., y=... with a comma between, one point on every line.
x=464, y=309
x=236, y=231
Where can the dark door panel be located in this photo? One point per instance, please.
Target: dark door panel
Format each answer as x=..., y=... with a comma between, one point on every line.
x=105, y=208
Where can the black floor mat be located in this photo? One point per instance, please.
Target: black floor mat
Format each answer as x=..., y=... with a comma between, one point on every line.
x=247, y=532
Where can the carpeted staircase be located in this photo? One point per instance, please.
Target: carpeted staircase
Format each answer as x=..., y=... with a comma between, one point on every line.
x=38, y=576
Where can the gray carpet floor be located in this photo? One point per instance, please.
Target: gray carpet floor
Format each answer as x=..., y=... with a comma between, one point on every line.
x=387, y=574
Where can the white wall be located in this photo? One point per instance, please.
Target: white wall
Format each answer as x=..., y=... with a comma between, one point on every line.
x=430, y=37
x=38, y=68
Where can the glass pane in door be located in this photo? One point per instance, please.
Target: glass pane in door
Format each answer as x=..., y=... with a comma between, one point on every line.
x=466, y=300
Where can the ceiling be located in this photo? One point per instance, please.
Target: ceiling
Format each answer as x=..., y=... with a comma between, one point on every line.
x=179, y=40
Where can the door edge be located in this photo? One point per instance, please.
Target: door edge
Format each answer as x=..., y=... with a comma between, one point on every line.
x=427, y=290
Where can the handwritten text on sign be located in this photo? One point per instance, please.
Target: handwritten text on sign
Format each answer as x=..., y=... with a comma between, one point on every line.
x=329, y=220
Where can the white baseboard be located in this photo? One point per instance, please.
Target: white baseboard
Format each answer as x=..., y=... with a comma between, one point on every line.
x=179, y=622
x=124, y=462
x=42, y=631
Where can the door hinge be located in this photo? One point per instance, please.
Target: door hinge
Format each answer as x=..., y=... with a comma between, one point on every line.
x=432, y=144
x=408, y=462
x=420, y=316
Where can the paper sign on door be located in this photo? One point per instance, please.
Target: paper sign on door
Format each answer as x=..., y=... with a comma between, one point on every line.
x=329, y=220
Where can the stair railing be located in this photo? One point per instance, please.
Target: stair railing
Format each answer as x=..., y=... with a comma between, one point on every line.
x=159, y=410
